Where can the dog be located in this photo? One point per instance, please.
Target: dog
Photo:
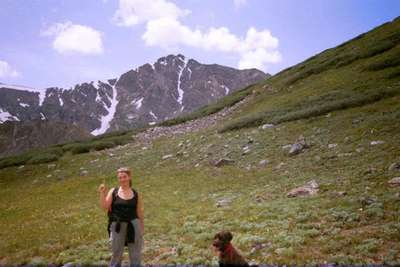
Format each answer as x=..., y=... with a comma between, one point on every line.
x=227, y=254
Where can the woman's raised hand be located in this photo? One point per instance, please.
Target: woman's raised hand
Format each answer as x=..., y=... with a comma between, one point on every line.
x=102, y=187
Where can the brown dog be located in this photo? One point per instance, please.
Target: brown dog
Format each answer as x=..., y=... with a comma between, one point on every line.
x=228, y=255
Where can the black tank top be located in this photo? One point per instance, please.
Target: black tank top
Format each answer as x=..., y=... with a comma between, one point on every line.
x=125, y=210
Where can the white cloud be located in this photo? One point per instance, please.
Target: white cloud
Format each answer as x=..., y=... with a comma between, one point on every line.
x=132, y=12
x=76, y=38
x=239, y=3
x=6, y=71
x=255, y=50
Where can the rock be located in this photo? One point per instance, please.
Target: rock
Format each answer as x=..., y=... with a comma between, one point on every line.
x=167, y=156
x=295, y=149
x=246, y=150
x=286, y=147
x=359, y=149
x=49, y=176
x=258, y=246
x=84, y=172
x=263, y=162
x=328, y=115
x=267, y=126
x=338, y=193
x=51, y=166
x=367, y=200
x=394, y=167
x=21, y=167
x=223, y=161
x=370, y=170
x=298, y=147
x=225, y=202
x=280, y=251
x=378, y=142
x=394, y=181
x=310, y=188
x=348, y=154
x=279, y=166
x=332, y=145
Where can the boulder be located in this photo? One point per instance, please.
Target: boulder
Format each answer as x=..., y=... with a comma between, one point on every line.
x=394, y=167
x=263, y=162
x=225, y=202
x=378, y=142
x=167, y=156
x=310, y=188
x=298, y=147
x=267, y=126
x=223, y=161
x=394, y=181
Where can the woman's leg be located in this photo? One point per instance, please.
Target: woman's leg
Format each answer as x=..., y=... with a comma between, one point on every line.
x=117, y=244
x=135, y=249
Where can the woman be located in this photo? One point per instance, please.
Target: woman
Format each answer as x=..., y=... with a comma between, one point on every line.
x=125, y=210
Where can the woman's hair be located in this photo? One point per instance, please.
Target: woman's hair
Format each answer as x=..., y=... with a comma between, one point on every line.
x=128, y=172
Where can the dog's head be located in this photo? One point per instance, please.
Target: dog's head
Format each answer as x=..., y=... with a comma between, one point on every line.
x=222, y=240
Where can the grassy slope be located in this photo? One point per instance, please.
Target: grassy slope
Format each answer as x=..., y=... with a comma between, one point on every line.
x=56, y=219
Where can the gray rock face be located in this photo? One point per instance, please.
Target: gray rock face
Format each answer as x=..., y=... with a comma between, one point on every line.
x=173, y=85
x=17, y=136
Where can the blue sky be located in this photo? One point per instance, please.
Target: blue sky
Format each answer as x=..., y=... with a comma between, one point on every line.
x=63, y=42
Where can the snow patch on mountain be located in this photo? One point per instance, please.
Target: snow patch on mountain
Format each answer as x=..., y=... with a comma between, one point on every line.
x=153, y=115
x=180, y=91
x=227, y=90
x=106, y=119
x=138, y=102
x=24, y=105
x=6, y=116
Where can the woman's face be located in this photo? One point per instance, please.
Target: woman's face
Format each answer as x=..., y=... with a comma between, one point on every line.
x=123, y=178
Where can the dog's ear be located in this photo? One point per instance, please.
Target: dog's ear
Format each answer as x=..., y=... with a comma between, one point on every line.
x=229, y=236
x=217, y=236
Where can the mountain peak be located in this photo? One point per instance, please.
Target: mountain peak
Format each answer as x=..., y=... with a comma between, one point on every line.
x=146, y=95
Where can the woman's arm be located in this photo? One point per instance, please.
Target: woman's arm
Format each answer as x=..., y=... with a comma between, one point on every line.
x=105, y=201
x=139, y=210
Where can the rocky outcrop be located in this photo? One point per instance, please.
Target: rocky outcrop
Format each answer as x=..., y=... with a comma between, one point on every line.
x=310, y=188
x=17, y=137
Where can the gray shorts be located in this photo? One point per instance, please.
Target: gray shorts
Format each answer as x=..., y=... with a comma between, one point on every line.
x=117, y=241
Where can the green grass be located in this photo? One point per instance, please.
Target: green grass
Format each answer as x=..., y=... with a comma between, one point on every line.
x=180, y=199
x=220, y=104
x=49, y=212
x=318, y=86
